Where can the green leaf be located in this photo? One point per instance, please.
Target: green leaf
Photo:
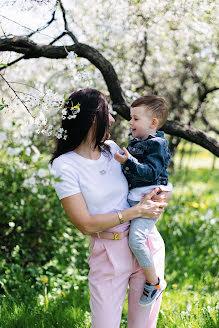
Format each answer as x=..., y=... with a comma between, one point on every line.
x=76, y=106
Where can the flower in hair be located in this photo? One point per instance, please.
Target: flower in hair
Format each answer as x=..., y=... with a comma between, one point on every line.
x=75, y=109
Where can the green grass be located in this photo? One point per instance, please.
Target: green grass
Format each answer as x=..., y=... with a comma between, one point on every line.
x=189, y=228
x=69, y=309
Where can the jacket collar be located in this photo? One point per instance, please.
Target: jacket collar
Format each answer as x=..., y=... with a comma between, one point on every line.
x=159, y=134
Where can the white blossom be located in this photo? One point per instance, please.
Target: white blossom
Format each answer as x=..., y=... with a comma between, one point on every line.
x=3, y=136
x=72, y=55
x=29, y=182
x=14, y=151
x=28, y=151
x=41, y=173
x=7, y=125
x=41, y=196
x=35, y=158
x=35, y=149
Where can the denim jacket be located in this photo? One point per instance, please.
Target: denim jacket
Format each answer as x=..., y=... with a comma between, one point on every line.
x=149, y=161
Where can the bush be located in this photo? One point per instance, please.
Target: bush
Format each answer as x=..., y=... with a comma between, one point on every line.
x=36, y=238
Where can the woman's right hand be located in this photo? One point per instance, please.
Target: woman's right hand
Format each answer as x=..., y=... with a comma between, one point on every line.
x=150, y=209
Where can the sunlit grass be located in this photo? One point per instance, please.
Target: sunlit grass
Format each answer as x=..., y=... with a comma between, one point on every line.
x=189, y=229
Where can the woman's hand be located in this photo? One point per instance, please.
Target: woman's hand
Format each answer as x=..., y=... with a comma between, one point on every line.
x=150, y=208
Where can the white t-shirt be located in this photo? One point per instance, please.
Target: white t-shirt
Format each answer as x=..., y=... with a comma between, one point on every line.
x=101, y=182
x=136, y=194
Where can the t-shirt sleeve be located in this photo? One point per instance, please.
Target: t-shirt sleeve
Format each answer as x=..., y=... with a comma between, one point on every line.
x=168, y=187
x=68, y=181
x=113, y=146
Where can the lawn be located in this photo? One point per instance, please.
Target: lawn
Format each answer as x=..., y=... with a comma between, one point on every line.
x=55, y=293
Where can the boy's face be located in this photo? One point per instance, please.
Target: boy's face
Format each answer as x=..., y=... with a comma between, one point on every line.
x=141, y=123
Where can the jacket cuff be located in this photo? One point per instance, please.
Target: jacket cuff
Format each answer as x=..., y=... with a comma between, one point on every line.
x=129, y=164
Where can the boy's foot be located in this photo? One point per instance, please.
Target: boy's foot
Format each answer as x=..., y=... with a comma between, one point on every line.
x=151, y=293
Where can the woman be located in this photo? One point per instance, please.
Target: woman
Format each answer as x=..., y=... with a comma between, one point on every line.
x=93, y=193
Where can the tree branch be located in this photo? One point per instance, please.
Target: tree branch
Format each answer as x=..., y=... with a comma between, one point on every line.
x=58, y=38
x=45, y=26
x=141, y=66
x=33, y=50
x=10, y=87
x=208, y=125
x=202, y=97
x=72, y=36
x=13, y=62
x=192, y=134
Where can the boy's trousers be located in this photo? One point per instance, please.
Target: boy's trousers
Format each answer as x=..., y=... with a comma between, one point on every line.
x=138, y=233
x=113, y=268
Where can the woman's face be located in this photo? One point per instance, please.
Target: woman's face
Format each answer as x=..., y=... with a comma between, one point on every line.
x=111, y=120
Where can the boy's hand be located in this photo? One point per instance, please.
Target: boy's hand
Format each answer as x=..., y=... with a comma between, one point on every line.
x=122, y=158
x=162, y=196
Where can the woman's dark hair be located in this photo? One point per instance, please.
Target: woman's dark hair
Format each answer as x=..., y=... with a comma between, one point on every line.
x=93, y=105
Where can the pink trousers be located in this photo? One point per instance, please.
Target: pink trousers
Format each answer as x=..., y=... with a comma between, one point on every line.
x=113, y=268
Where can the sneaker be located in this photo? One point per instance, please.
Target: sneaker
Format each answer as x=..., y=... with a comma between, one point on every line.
x=151, y=293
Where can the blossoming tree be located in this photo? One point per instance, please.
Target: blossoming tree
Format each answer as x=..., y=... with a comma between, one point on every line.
x=125, y=48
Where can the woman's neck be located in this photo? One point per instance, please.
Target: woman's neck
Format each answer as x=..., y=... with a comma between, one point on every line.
x=88, y=151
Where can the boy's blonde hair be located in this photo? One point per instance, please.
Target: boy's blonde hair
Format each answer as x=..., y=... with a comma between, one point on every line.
x=156, y=105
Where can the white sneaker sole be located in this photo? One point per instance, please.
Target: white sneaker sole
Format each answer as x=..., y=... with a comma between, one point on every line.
x=164, y=285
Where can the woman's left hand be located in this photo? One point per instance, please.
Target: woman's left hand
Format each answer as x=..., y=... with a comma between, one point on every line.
x=162, y=197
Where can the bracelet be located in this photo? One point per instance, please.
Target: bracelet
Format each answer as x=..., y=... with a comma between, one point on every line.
x=120, y=217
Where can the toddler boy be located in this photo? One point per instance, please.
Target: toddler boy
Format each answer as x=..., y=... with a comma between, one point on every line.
x=145, y=167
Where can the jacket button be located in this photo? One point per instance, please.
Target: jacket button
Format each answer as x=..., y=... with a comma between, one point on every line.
x=133, y=149
x=127, y=168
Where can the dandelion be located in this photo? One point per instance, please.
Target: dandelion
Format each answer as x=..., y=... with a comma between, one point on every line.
x=174, y=285
x=63, y=294
x=203, y=206
x=194, y=204
x=44, y=279
x=46, y=299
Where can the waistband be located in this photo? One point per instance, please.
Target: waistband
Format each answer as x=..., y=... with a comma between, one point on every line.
x=110, y=235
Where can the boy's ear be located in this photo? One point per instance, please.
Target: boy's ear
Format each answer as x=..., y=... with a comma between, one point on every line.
x=154, y=123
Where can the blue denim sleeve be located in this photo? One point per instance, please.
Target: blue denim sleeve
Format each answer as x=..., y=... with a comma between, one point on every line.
x=152, y=166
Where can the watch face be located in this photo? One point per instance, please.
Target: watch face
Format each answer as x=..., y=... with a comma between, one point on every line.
x=120, y=217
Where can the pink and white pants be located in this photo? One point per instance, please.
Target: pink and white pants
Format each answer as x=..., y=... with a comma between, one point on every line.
x=113, y=268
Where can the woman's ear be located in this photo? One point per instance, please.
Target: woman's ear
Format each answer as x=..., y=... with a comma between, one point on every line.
x=154, y=123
